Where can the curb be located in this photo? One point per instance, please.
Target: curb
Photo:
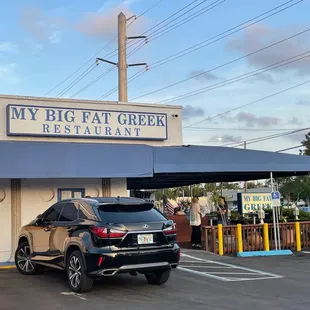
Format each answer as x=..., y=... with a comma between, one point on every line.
x=264, y=253
x=7, y=265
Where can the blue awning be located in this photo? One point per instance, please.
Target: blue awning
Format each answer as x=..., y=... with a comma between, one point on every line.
x=186, y=165
x=189, y=159
x=145, y=166
x=74, y=160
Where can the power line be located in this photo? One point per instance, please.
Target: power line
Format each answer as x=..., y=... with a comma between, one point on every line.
x=146, y=11
x=132, y=78
x=172, y=27
x=78, y=79
x=290, y=148
x=239, y=129
x=239, y=77
x=250, y=103
x=221, y=35
x=160, y=23
x=264, y=138
x=93, y=81
x=223, y=65
x=103, y=48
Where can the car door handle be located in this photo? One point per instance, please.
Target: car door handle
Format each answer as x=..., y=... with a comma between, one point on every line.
x=69, y=228
x=48, y=228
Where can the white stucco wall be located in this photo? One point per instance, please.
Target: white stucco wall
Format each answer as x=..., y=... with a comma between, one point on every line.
x=5, y=220
x=174, y=123
x=39, y=194
x=119, y=188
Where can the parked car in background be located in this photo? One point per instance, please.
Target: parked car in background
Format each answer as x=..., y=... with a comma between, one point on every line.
x=99, y=237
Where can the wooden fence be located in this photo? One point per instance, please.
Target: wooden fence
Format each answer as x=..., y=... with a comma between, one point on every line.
x=224, y=239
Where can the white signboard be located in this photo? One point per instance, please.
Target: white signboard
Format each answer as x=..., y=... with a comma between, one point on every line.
x=85, y=123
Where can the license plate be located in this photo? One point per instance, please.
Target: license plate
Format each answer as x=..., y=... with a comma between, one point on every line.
x=145, y=239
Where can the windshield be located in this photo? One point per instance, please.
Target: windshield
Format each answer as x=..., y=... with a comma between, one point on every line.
x=130, y=213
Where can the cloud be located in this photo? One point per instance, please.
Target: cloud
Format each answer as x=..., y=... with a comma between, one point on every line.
x=294, y=121
x=190, y=112
x=225, y=138
x=303, y=103
x=42, y=26
x=45, y=26
x=103, y=23
x=259, y=36
x=202, y=76
x=8, y=47
x=251, y=120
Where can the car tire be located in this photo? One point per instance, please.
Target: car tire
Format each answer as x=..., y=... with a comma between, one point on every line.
x=158, y=277
x=78, y=280
x=23, y=260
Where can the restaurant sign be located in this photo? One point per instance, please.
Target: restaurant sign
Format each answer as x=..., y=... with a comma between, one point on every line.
x=251, y=202
x=25, y=120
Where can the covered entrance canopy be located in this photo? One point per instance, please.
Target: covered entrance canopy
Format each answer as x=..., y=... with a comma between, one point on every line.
x=145, y=167
x=185, y=165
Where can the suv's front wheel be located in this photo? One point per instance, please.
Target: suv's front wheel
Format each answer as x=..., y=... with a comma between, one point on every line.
x=23, y=260
x=78, y=280
x=158, y=277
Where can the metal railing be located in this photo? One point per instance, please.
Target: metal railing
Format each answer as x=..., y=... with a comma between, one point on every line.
x=258, y=237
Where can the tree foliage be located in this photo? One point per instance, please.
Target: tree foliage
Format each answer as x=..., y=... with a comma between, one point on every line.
x=306, y=144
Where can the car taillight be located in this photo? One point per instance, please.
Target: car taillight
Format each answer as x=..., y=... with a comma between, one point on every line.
x=116, y=233
x=103, y=232
x=171, y=230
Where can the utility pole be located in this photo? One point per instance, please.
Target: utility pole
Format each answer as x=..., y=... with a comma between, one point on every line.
x=122, y=63
x=122, y=57
x=245, y=183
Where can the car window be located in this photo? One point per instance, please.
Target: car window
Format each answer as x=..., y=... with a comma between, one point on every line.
x=53, y=213
x=129, y=213
x=69, y=212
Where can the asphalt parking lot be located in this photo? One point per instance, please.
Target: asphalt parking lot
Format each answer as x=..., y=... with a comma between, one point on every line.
x=203, y=281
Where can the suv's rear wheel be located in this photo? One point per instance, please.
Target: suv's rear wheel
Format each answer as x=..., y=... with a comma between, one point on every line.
x=78, y=280
x=23, y=260
x=158, y=277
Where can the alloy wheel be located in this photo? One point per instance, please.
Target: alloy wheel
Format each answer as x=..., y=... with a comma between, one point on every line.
x=75, y=272
x=23, y=259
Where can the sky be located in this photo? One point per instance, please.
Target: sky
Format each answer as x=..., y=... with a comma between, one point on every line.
x=42, y=43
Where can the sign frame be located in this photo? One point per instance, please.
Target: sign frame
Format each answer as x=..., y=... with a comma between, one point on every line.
x=20, y=134
x=276, y=199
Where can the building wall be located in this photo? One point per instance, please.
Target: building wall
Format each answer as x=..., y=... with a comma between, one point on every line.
x=174, y=123
x=5, y=219
x=39, y=194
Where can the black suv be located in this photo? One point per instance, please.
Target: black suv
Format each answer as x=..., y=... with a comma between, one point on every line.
x=99, y=237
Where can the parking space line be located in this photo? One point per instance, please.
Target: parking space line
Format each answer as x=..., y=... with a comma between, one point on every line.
x=205, y=266
x=227, y=270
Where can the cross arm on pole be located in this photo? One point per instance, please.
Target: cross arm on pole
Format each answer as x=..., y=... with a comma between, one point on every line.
x=138, y=64
x=107, y=61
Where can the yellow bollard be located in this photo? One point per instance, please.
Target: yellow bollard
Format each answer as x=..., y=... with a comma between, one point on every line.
x=239, y=238
x=266, y=237
x=220, y=238
x=298, y=242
